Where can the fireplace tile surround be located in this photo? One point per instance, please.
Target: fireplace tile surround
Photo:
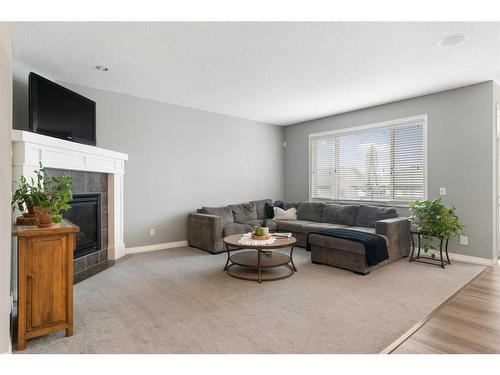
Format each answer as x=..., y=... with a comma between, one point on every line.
x=86, y=183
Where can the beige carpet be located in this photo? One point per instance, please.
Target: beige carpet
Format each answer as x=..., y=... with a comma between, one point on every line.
x=180, y=301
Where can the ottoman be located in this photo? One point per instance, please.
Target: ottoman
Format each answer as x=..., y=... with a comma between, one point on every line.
x=341, y=253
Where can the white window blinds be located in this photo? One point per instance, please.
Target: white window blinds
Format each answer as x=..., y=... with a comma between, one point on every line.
x=374, y=164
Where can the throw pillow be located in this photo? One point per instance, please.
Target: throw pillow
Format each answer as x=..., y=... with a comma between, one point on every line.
x=281, y=214
x=279, y=204
x=269, y=208
x=261, y=205
x=269, y=211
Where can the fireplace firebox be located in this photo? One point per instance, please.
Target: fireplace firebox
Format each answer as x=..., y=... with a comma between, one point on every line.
x=86, y=213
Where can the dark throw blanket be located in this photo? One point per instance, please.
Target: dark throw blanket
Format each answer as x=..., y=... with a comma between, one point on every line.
x=375, y=245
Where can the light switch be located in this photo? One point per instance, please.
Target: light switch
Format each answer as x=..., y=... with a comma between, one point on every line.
x=442, y=191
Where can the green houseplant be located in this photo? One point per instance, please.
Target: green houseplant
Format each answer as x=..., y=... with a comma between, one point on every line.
x=48, y=196
x=52, y=195
x=433, y=219
x=23, y=198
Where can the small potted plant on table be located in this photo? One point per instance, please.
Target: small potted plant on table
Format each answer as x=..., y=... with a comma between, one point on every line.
x=262, y=231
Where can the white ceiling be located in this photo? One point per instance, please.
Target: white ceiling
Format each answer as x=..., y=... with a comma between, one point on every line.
x=278, y=73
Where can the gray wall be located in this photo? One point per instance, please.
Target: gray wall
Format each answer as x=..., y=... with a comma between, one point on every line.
x=179, y=159
x=182, y=158
x=460, y=154
x=5, y=181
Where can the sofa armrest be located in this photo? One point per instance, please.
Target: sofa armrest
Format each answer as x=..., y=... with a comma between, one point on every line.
x=397, y=231
x=205, y=232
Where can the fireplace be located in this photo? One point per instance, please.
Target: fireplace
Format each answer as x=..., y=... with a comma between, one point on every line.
x=86, y=213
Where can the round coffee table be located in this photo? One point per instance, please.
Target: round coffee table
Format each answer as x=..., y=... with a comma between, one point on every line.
x=258, y=258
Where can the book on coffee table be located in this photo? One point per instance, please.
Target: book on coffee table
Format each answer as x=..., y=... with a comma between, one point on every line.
x=282, y=235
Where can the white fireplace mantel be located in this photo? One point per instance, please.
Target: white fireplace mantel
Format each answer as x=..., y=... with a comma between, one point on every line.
x=29, y=149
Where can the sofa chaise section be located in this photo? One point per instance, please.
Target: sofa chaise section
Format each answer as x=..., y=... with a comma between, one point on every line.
x=342, y=253
x=351, y=255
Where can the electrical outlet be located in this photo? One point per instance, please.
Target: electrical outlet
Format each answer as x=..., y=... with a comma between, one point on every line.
x=152, y=232
x=442, y=191
x=464, y=240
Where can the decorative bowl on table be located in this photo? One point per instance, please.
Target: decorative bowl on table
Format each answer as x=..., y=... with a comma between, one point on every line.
x=261, y=238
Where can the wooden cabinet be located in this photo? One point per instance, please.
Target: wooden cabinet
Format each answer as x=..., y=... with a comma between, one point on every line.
x=45, y=280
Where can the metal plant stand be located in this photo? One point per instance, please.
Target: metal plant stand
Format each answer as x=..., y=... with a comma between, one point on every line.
x=416, y=241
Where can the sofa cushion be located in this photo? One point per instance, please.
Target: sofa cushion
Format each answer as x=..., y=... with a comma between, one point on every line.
x=339, y=214
x=288, y=205
x=281, y=214
x=236, y=228
x=295, y=226
x=315, y=227
x=309, y=211
x=368, y=215
x=261, y=207
x=224, y=212
x=244, y=211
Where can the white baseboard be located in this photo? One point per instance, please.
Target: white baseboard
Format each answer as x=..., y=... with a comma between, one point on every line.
x=159, y=246
x=471, y=259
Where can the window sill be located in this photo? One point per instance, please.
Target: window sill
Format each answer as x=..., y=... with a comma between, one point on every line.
x=370, y=203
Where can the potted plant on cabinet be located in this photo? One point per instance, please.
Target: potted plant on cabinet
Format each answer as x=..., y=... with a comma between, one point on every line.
x=23, y=198
x=60, y=194
x=48, y=196
x=52, y=195
x=433, y=219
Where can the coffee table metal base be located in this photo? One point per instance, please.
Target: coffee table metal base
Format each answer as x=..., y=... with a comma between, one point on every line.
x=259, y=261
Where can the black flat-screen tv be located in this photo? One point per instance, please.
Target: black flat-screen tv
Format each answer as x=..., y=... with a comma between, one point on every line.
x=59, y=112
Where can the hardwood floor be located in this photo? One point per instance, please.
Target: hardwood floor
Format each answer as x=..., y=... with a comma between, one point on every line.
x=468, y=323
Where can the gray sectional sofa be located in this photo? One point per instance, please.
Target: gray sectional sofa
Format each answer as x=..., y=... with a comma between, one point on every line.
x=210, y=225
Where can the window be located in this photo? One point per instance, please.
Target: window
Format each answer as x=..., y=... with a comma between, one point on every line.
x=381, y=162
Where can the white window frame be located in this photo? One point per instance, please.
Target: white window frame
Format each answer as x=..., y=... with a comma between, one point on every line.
x=420, y=118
